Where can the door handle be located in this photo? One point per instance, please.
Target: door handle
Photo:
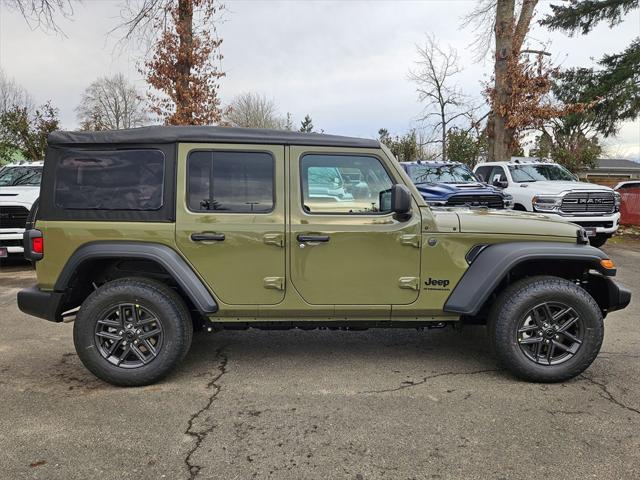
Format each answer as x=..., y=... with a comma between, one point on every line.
x=312, y=238
x=207, y=237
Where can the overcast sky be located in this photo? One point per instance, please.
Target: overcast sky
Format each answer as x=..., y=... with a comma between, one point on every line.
x=343, y=62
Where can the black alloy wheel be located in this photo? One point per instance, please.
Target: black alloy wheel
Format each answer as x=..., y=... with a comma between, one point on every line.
x=128, y=335
x=550, y=333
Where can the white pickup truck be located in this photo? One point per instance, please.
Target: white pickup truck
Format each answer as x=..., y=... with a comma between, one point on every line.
x=549, y=188
x=19, y=189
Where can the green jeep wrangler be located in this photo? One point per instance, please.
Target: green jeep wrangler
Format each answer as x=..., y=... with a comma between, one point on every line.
x=145, y=234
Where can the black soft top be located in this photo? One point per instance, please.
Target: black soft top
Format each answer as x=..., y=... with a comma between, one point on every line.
x=199, y=134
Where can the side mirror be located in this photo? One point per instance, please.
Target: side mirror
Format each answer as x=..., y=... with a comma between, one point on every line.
x=397, y=200
x=500, y=183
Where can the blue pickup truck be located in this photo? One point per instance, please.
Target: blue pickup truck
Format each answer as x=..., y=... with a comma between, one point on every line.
x=448, y=184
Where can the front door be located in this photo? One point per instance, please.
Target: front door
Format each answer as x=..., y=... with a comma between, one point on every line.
x=230, y=219
x=346, y=250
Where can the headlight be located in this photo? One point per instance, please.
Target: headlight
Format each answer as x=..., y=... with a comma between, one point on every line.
x=508, y=201
x=616, y=197
x=546, y=203
x=436, y=203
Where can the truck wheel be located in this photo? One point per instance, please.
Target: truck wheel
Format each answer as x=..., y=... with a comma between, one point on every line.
x=598, y=240
x=132, y=331
x=546, y=329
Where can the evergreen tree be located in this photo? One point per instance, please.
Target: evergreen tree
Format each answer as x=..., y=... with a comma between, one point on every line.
x=25, y=132
x=613, y=87
x=307, y=124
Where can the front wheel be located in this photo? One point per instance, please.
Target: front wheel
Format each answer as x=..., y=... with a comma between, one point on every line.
x=546, y=329
x=598, y=240
x=132, y=331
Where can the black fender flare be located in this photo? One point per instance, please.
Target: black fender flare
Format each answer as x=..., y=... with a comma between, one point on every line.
x=490, y=266
x=167, y=257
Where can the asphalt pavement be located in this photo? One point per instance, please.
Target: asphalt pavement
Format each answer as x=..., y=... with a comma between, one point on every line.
x=380, y=404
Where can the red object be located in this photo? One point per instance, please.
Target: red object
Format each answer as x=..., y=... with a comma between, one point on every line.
x=629, y=206
x=37, y=245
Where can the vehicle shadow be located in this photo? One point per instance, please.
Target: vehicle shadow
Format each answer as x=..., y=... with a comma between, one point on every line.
x=462, y=349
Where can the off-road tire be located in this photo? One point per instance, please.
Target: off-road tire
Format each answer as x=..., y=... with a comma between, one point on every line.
x=167, y=306
x=513, y=304
x=598, y=240
x=30, y=223
x=33, y=215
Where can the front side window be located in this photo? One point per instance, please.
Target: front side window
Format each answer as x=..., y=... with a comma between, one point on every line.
x=343, y=184
x=539, y=172
x=110, y=180
x=440, y=174
x=230, y=182
x=14, y=176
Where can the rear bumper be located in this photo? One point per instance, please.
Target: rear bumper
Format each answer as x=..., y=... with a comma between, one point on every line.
x=37, y=303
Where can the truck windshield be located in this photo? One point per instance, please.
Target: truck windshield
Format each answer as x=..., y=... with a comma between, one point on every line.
x=540, y=172
x=440, y=174
x=14, y=176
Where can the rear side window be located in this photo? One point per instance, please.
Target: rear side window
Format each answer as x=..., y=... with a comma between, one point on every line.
x=110, y=180
x=230, y=182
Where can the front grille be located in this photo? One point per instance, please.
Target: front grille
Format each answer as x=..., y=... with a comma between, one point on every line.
x=596, y=224
x=13, y=217
x=491, y=201
x=588, y=202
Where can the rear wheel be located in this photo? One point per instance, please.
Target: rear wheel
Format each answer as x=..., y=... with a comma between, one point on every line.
x=546, y=329
x=132, y=331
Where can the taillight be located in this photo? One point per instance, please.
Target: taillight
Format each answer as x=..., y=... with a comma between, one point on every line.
x=37, y=245
x=33, y=244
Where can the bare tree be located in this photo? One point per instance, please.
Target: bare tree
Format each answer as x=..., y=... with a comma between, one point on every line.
x=13, y=95
x=435, y=76
x=110, y=103
x=43, y=14
x=184, y=63
x=253, y=110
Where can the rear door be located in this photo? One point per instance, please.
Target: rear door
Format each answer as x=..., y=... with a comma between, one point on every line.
x=230, y=219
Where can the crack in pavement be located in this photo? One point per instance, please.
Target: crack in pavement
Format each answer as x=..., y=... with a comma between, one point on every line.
x=430, y=377
x=607, y=395
x=200, y=435
x=620, y=354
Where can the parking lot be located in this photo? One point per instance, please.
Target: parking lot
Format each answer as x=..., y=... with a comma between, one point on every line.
x=395, y=404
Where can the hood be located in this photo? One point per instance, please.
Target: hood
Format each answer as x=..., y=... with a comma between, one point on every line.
x=442, y=191
x=514, y=223
x=21, y=195
x=555, y=187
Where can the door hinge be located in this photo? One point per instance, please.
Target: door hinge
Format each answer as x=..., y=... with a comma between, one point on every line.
x=275, y=283
x=276, y=239
x=411, y=283
x=413, y=240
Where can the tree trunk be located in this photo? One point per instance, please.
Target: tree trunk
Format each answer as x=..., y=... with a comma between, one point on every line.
x=499, y=137
x=184, y=27
x=509, y=37
x=443, y=119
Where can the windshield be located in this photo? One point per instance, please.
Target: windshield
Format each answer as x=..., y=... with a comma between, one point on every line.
x=14, y=176
x=536, y=172
x=440, y=174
